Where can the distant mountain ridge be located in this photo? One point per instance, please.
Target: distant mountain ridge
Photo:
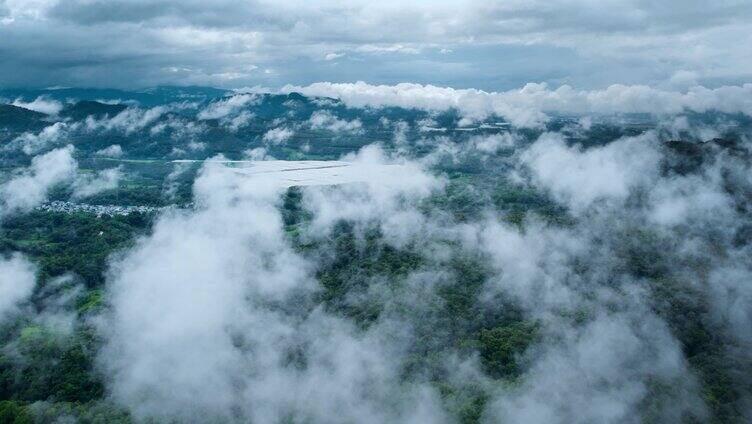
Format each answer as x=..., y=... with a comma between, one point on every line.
x=147, y=97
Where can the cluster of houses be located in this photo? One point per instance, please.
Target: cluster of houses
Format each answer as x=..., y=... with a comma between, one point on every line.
x=99, y=210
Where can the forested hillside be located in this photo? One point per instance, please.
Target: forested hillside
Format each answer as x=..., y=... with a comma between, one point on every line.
x=587, y=267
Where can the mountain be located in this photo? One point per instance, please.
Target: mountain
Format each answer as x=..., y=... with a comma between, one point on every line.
x=16, y=118
x=83, y=109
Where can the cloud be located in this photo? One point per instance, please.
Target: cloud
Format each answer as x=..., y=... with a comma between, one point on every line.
x=221, y=42
x=684, y=198
x=87, y=185
x=240, y=333
x=622, y=353
x=323, y=119
x=578, y=177
x=494, y=143
x=332, y=56
x=166, y=329
x=579, y=267
x=258, y=153
x=40, y=104
x=278, y=135
x=231, y=360
x=223, y=108
x=17, y=280
x=130, y=120
x=112, y=151
x=57, y=304
x=387, y=199
x=394, y=48
x=28, y=187
x=179, y=128
x=171, y=184
x=626, y=183
x=240, y=120
x=31, y=143
x=232, y=111
x=528, y=106
x=682, y=79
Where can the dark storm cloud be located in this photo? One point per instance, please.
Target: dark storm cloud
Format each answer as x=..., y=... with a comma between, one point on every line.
x=220, y=13
x=473, y=44
x=617, y=16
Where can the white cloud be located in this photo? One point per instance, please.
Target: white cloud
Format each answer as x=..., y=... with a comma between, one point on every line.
x=391, y=48
x=258, y=153
x=278, y=135
x=527, y=106
x=241, y=120
x=680, y=199
x=196, y=146
x=41, y=104
x=217, y=344
x=171, y=185
x=112, y=151
x=683, y=79
x=332, y=56
x=377, y=199
x=180, y=128
x=58, y=297
x=130, y=120
x=323, y=119
x=495, y=142
x=224, y=42
x=32, y=143
x=230, y=106
x=28, y=187
x=17, y=280
x=731, y=294
x=599, y=373
x=578, y=177
x=235, y=297
x=87, y=185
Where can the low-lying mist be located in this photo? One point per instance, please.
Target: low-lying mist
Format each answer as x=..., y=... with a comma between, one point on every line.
x=372, y=302
x=546, y=274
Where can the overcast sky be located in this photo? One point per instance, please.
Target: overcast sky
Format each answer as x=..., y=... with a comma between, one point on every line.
x=491, y=45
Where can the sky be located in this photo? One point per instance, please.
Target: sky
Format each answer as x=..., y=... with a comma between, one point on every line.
x=488, y=45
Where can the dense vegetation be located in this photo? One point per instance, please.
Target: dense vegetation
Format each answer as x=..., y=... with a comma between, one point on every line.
x=48, y=366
